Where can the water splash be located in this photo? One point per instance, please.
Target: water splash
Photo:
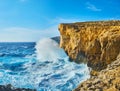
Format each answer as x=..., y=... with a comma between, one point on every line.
x=48, y=50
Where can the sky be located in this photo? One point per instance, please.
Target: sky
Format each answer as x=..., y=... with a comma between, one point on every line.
x=32, y=20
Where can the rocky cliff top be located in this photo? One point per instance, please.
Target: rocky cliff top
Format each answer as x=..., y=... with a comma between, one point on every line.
x=93, y=23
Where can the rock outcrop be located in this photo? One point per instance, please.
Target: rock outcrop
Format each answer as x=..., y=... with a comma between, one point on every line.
x=98, y=41
x=107, y=79
x=56, y=39
x=9, y=87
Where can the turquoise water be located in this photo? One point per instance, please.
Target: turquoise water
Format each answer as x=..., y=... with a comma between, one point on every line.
x=42, y=66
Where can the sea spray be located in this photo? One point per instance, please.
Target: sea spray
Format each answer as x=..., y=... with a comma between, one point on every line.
x=48, y=50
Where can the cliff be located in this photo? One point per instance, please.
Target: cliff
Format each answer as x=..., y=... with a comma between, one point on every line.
x=98, y=42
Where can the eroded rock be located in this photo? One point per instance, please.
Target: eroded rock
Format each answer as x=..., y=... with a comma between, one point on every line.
x=99, y=42
x=107, y=79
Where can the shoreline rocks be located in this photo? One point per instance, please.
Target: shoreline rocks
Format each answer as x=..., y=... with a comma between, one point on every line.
x=9, y=87
x=106, y=80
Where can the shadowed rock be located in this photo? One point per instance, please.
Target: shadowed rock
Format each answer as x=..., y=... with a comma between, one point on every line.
x=9, y=87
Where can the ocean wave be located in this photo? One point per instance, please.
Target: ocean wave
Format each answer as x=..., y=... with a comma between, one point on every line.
x=47, y=69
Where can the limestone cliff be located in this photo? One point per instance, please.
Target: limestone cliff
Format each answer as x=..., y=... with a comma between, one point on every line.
x=98, y=41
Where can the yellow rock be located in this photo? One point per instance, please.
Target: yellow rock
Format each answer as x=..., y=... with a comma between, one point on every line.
x=106, y=80
x=98, y=41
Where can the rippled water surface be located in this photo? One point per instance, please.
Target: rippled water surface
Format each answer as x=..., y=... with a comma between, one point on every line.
x=43, y=66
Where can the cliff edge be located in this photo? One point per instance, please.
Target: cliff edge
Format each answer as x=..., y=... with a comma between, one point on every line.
x=98, y=42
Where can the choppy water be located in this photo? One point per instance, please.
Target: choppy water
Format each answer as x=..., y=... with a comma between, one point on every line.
x=43, y=66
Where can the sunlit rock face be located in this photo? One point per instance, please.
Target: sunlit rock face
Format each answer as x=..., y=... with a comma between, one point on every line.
x=98, y=41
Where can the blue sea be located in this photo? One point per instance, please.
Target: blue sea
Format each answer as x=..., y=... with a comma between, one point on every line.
x=42, y=66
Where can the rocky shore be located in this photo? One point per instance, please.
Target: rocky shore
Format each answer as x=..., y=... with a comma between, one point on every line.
x=106, y=80
x=9, y=87
x=98, y=43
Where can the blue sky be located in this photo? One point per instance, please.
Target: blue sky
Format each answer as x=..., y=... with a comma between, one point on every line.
x=31, y=20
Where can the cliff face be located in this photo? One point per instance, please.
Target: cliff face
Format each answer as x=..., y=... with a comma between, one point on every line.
x=99, y=42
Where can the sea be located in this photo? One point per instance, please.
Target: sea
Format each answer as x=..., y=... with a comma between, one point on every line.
x=43, y=66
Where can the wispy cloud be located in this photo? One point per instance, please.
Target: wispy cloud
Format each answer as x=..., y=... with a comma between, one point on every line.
x=59, y=20
x=92, y=7
x=63, y=20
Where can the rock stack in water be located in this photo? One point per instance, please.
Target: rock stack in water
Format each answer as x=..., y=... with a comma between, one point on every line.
x=99, y=43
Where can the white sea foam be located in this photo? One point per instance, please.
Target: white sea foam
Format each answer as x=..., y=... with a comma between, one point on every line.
x=48, y=50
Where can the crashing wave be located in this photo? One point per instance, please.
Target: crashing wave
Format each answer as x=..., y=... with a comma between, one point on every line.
x=48, y=50
x=47, y=69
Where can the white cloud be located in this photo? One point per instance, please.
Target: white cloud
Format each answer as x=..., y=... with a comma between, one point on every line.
x=19, y=34
x=59, y=20
x=92, y=7
x=62, y=20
